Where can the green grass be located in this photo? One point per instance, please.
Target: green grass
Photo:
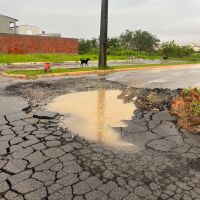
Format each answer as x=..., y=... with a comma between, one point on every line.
x=191, y=96
x=187, y=92
x=195, y=107
x=62, y=70
x=40, y=72
x=56, y=58
x=113, y=55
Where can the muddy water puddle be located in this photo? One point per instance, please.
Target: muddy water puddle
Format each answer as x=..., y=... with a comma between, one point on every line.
x=93, y=114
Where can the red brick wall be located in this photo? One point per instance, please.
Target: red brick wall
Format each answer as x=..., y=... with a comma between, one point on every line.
x=25, y=44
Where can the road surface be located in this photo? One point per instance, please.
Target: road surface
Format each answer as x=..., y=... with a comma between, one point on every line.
x=172, y=78
x=91, y=64
x=40, y=161
x=176, y=77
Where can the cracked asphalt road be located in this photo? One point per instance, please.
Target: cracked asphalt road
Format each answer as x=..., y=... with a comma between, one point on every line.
x=38, y=160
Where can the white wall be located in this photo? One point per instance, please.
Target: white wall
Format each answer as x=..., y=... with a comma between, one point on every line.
x=28, y=30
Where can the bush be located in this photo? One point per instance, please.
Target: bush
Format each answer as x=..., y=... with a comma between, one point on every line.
x=85, y=46
x=170, y=49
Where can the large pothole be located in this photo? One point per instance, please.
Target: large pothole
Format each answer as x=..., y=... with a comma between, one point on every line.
x=92, y=115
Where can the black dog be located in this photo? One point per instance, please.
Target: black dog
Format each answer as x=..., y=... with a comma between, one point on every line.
x=84, y=62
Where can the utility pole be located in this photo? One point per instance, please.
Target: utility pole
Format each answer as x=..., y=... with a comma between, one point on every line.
x=103, y=35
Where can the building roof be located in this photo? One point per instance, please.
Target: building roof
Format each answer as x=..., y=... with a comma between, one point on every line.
x=25, y=25
x=9, y=17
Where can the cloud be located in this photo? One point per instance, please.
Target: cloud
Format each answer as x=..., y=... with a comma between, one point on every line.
x=169, y=19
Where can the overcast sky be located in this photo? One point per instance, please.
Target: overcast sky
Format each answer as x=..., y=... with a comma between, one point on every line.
x=168, y=19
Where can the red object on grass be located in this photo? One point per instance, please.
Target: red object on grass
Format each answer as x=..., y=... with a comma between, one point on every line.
x=47, y=66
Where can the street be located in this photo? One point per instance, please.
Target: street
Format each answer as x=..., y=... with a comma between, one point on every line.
x=76, y=64
x=41, y=160
x=173, y=78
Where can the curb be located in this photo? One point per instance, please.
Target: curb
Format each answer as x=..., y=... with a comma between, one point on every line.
x=22, y=76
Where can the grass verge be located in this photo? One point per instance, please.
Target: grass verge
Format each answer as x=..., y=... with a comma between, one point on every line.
x=89, y=69
x=59, y=58
x=55, y=58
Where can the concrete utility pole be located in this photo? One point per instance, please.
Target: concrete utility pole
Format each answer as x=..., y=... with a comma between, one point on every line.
x=103, y=35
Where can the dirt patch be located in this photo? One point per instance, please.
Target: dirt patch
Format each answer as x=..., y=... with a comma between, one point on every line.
x=148, y=99
x=186, y=107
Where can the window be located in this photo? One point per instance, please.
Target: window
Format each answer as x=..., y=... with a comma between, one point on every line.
x=12, y=26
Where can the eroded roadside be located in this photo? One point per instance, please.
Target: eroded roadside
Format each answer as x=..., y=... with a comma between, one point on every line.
x=40, y=161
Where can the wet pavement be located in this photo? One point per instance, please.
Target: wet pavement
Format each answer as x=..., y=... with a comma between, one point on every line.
x=41, y=160
x=178, y=77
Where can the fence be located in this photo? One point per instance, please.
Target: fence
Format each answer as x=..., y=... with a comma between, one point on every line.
x=25, y=44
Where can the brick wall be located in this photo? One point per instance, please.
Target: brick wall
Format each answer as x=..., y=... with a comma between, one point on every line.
x=25, y=44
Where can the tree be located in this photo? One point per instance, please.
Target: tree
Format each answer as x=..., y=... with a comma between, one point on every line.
x=144, y=41
x=129, y=40
x=139, y=40
x=94, y=43
x=126, y=40
x=85, y=46
x=114, y=43
x=171, y=49
x=167, y=48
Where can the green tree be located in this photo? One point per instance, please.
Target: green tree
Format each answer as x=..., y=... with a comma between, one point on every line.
x=171, y=49
x=85, y=46
x=139, y=40
x=144, y=41
x=167, y=48
x=94, y=43
x=114, y=43
x=126, y=40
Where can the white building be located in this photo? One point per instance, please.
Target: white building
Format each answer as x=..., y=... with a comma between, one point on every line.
x=50, y=34
x=196, y=47
x=33, y=30
x=28, y=30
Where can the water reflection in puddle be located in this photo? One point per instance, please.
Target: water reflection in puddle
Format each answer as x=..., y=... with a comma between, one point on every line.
x=93, y=114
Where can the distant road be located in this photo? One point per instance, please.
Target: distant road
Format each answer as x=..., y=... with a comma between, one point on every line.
x=173, y=78
x=77, y=65
x=179, y=76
